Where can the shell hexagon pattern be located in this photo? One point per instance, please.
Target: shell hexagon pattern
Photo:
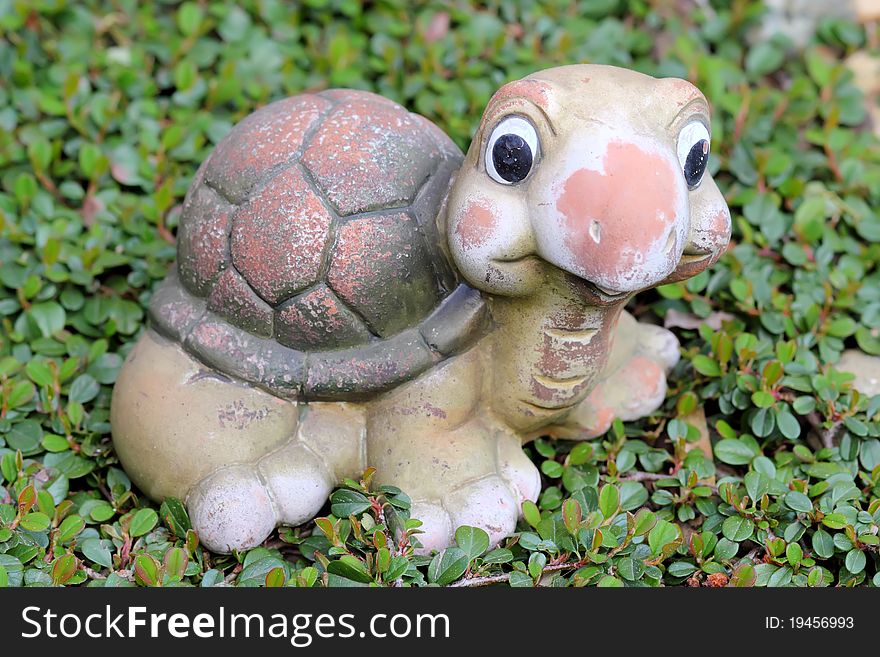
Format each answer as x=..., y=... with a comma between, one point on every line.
x=352, y=291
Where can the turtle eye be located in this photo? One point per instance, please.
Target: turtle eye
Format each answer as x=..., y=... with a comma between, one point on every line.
x=693, y=152
x=511, y=150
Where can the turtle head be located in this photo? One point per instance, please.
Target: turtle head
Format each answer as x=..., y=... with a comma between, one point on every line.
x=597, y=171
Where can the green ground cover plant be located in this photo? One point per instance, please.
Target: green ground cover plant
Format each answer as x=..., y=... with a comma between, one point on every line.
x=762, y=468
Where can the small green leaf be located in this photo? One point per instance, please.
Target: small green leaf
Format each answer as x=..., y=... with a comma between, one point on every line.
x=146, y=570
x=644, y=522
x=756, y=484
x=447, y=566
x=309, y=575
x=175, y=562
x=83, y=389
x=855, y=561
x=834, y=521
x=609, y=501
x=498, y=556
x=781, y=577
x=809, y=218
x=661, y=535
x=763, y=422
x=49, y=317
x=519, y=579
x=610, y=582
x=276, y=578
x=572, y=515
x=350, y=567
x=189, y=17
x=143, y=522
x=531, y=513
x=737, y=528
x=798, y=502
x=823, y=544
x=743, y=576
x=63, y=569
x=472, y=540
x=630, y=569
x=345, y=502
x=36, y=521
x=580, y=454
x=794, y=554
x=211, y=577
x=788, y=424
x=804, y=405
x=725, y=549
x=537, y=561
x=763, y=58
x=70, y=527
x=681, y=569
x=102, y=512
x=174, y=514
x=735, y=451
x=706, y=366
x=98, y=551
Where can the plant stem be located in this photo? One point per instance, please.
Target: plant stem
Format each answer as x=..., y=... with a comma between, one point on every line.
x=497, y=579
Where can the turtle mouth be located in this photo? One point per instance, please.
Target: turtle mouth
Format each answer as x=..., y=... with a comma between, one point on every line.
x=608, y=293
x=595, y=294
x=530, y=257
x=689, y=265
x=692, y=258
x=590, y=292
x=541, y=409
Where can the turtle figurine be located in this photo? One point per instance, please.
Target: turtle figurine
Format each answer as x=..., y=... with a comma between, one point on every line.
x=351, y=291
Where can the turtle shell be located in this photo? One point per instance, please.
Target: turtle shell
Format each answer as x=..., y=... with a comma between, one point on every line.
x=309, y=259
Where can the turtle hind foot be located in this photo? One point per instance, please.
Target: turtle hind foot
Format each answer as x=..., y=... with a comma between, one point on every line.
x=238, y=507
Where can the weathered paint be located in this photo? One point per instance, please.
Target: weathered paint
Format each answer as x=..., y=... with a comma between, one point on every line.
x=233, y=299
x=618, y=222
x=709, y=233
x=203, y=238
x=368, y=155
x=571, y=348
x=491, y=252
x=477, y=224
x=268, y=138
x=381, y=268
x=317, y=320
x=279, y=237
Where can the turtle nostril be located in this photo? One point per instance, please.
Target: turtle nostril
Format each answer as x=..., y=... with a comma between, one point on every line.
x=595, y=231
x=670, y=243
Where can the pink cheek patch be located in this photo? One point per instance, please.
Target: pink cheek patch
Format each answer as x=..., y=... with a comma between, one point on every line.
x=721, y=227
x=476, y=225
x=720, y=237
x=713, y=235
x=620, y=220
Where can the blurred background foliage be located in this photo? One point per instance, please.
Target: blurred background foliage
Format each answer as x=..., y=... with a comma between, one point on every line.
x=762, y=467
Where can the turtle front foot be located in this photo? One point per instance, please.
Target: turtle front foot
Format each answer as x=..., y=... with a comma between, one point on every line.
x=237, y=507
x=487, y=503
x=491, y=503
x=634, y=383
